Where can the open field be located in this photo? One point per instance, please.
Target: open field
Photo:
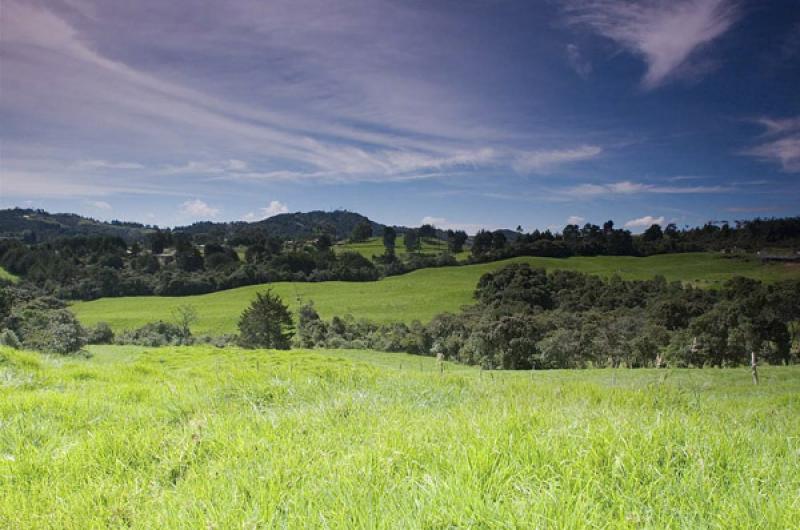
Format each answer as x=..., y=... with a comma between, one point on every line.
x=418, y=295
x=197, y=437
x=5, y=275
x=374, y=247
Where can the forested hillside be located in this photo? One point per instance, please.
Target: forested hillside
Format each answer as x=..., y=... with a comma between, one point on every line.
x=77, y=258
x=35, y=226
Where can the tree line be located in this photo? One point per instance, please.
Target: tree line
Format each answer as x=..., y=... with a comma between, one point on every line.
x=526, y=318
x=170, y=262
x=522, y=318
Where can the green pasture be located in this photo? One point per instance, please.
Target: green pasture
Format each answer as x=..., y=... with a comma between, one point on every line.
x=198, y=437
x=418, y=295
x=374, y=247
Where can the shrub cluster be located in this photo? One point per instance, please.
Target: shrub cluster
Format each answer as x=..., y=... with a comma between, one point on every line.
x=526, y=318
x=38, y=323
x=175, y=263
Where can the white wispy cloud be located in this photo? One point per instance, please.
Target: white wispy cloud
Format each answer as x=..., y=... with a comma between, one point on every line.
x=785, y=152
x=645, y=222
x=666, y=34
x=100, y=205
x=333, y=111
x=272, y=209
x=775, y=126
x=199, y=209
x=576, y=61
x=104, y=164
x=782, y=145
x=207, y=167
x=752, y=209
x=27, y=180
x=631, y=188
x=536, y=161
x=575, y=220
x=275, y=208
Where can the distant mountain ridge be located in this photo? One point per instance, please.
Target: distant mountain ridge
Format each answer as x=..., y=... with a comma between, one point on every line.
x=338, y=223
x=38, y=225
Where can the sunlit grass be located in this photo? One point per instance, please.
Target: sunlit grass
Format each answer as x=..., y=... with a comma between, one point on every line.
x=374, y=247
x=196, y=437
x=5, y=275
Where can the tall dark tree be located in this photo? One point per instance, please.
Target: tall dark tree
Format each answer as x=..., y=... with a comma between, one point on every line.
x=5, y=304
x=482, y=243
x=266, y=323
x=189, y=260
x=182, y=242
x=571, y=233
x=499, y=240
x=389, y=239
x=427, y=231
x=361, y=232
x=157, y=240
x=653, y=233
x=413, y=241
x=323, y=243
x=456, y=240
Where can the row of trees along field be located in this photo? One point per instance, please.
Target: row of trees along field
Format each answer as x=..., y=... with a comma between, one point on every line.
x=181, y=263
x=593, y=240
x=526, y=318
x=523, y=318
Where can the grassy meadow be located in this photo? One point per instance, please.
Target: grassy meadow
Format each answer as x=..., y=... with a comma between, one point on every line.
x=418, y=295
x=374, y=247
x=197, y=437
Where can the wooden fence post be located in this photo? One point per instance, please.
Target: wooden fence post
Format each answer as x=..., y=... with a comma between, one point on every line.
x=754, y=367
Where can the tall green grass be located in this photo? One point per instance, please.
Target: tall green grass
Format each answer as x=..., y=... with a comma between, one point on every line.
x=205, y=438
x=418, y=295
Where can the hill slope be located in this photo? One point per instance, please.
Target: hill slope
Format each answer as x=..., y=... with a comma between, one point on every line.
x=374, y=247
x=38, y=225
x=418, y=295
x=198, y=437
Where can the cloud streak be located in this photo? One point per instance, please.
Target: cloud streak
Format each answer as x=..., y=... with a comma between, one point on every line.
x=198, y=209
x=576, y=61
x=334, y=112
x=645, y=222
x=634, y=188
x=783, y=147
x=273, y=208
x=664, y=33
x=538, y=161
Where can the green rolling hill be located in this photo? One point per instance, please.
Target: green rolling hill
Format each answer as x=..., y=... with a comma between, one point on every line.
x=418, y=295
x=374, y=247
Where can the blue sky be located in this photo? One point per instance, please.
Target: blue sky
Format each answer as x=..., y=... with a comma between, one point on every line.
x=467, y=114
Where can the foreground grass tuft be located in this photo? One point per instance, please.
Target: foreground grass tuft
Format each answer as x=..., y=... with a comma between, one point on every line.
x=195, y=437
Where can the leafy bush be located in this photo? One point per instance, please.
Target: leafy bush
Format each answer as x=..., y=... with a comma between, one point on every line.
x=155, y=334
x=526, y=318
x=100, y=334
x=52, y=331
x=267, y=323
x=10, y=339
x=218, y=341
